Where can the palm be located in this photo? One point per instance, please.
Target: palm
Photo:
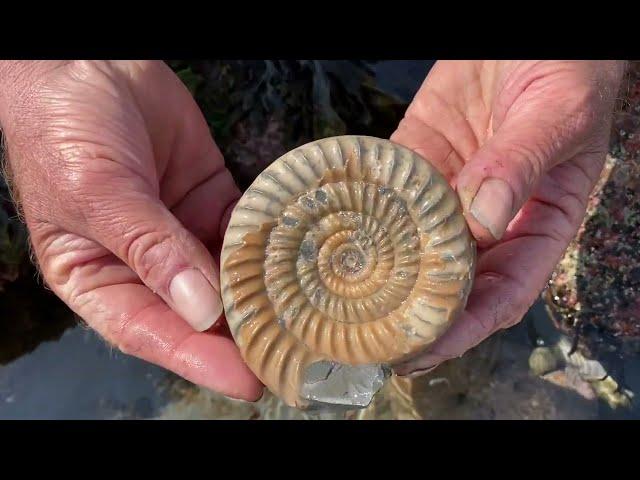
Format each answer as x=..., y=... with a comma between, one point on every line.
x=453, y=116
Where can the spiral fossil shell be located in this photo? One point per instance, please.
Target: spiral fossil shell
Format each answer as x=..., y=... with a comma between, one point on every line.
x=346, y=256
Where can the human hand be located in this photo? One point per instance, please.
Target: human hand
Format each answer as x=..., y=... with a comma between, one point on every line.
x=125, y=194
x=523, y=143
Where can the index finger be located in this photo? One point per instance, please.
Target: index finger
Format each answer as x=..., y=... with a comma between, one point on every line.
x=139, y=323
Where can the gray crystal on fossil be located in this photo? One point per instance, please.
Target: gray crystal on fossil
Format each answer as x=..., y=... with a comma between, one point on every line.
x=331, y=385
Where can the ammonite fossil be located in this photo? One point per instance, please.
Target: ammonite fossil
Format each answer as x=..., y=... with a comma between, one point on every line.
x=345, y=257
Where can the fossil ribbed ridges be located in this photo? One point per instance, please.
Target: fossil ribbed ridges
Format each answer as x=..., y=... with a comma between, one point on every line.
x=350, y=249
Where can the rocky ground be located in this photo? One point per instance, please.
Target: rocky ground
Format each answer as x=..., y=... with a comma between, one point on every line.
x=491, y=382
x=594, y=294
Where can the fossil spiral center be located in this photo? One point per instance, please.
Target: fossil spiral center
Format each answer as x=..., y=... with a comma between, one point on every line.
x=351, y=255
x=348, y=260
x=357, y=257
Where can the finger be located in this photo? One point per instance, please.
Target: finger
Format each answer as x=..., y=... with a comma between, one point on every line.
x=445, y=121
x=500, y=297
x=535, y=136
x=137, y=322
x=168, y=258
x=109, y=296
x=467, y=332
x=183, y=149
x=429, y=144
x=511, y=274
x=153, y=332
x=206, y=209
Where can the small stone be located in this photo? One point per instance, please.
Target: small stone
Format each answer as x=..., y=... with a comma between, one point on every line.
x=542, y=360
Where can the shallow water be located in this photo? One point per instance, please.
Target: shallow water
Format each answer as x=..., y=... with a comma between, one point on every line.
x=67, y=372
x=80, y=377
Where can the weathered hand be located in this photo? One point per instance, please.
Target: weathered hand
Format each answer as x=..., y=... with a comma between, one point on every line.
x=523, y=142
x=125, y=194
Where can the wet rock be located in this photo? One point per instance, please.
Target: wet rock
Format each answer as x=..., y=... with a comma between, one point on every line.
x=543, y=360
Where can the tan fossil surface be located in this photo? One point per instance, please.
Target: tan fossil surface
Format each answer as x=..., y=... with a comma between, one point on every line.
x=345, y=254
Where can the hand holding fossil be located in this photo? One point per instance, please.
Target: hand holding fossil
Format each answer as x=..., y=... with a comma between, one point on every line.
x=523, y=142
x=113, y=165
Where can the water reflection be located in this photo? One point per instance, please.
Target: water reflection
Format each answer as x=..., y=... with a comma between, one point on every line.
x=79, y=377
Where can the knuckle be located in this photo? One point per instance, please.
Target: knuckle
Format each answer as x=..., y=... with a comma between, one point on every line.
x=584, y=109
x=573, y=207
x=149, y=254
x=530, y=160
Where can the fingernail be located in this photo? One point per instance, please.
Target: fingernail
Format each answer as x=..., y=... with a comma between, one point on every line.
x=492, y=206
x=195, y=300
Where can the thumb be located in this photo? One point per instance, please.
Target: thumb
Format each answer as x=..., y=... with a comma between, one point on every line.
x=501, y=176
x=168, y=258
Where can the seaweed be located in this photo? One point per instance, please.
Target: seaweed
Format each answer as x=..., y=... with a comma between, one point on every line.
x=258, y=110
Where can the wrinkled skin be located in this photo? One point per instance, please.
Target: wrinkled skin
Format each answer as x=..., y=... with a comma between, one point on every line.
x=540, y=128
x=123, y=188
